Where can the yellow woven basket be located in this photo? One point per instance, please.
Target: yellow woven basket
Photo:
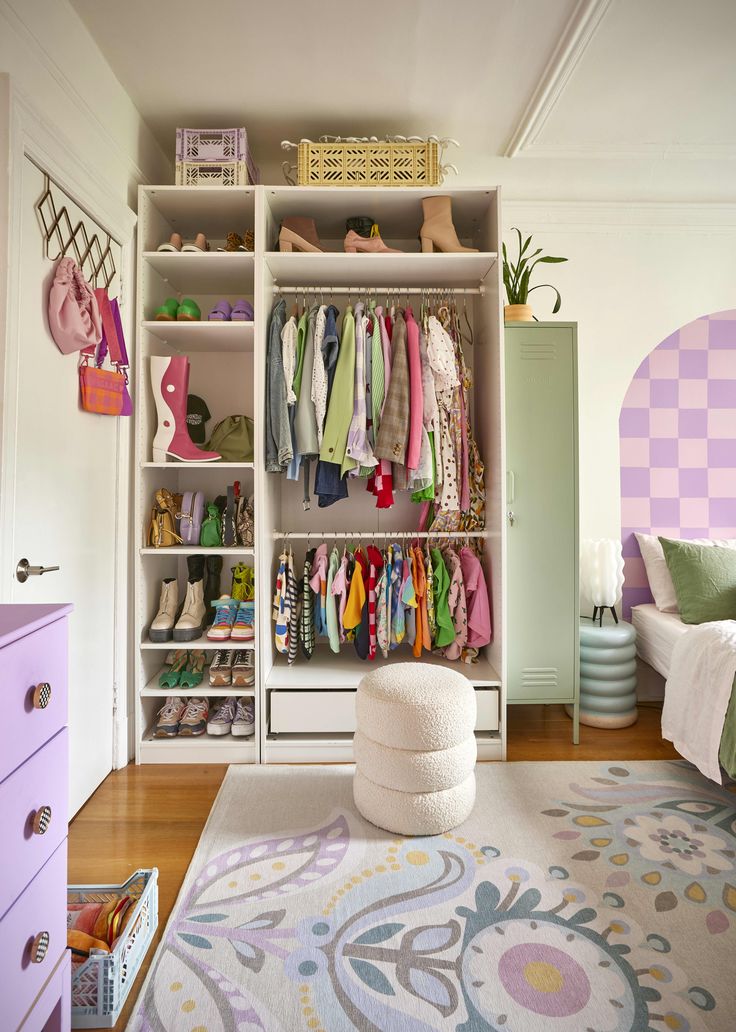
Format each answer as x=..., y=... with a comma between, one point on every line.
x=368, y=164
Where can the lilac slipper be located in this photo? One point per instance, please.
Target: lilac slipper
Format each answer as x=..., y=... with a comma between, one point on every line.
x=242, y=311
x=222, y=312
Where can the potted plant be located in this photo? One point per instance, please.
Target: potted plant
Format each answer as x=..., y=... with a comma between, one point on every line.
x=516, y=277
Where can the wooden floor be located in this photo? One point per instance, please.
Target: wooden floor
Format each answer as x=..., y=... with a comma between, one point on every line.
x=153, y=816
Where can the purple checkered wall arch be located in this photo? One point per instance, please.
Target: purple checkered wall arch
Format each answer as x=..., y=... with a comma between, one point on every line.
x=677, y=434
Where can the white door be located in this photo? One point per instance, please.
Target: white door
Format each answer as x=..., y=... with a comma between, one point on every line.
x=61, y=476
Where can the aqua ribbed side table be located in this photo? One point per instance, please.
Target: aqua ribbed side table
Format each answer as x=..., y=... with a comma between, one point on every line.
x=607, y=675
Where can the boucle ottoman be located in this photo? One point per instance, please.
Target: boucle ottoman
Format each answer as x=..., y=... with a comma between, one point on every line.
x=412, y=770
x=416, y=706
x=414, y=813
x=415, y=748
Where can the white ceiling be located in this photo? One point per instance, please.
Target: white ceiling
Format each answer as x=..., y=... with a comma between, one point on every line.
x=624, y=81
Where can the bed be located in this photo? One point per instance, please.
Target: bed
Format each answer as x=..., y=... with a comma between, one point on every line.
x=657, y=634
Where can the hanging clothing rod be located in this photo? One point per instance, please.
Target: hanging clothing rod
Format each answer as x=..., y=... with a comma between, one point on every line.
x=378, y=290
x=383, y=534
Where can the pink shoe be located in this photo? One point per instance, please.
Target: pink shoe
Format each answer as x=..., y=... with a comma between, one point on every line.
x=370, y=245
x=170, y=382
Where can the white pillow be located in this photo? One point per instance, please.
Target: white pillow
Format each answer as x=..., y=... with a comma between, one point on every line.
x=658, y=574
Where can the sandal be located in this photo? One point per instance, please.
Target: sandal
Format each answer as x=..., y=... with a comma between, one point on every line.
x=170, y=678
x=193, y=673
x=188, y=311
x=242, y=311
x=167, y=311
x=243, y=586
x=174, y=243
x=200, y=243
x=221, y=312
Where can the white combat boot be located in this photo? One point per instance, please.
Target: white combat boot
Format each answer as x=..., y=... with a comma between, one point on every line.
x=162, y=627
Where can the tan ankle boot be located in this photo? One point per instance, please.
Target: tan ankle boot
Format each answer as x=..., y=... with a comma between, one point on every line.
x=299, y=232
x=438, y=232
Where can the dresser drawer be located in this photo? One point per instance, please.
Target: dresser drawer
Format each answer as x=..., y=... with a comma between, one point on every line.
x=41, y=908
x=38, y=658
x=42, y=781
x=303, y=712
x=52, y=1011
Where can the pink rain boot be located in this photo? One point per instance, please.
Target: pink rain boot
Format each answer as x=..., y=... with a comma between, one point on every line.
x=170, y=382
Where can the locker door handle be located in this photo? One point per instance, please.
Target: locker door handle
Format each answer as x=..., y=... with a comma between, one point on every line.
x=511, y=517
x=510, y=486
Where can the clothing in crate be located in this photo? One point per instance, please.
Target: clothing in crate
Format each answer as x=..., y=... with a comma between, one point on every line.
x=420, y=598
x=375, y=396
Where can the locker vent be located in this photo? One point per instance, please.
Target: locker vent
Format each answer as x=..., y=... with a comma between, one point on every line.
x=539, y=677
x=542, y=351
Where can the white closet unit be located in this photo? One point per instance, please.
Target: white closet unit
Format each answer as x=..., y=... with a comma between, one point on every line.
x=305, y=712
x=221, y=357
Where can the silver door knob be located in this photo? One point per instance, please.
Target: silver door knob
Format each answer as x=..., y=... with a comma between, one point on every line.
x=24, y=570
x=511, y=516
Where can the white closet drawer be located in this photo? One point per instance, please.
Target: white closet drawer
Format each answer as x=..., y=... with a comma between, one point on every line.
x=308, y=712
x=487, y=700
x=303, y=712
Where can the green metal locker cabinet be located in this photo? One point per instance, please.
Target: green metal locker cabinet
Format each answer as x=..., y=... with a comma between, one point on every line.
x=542, y=609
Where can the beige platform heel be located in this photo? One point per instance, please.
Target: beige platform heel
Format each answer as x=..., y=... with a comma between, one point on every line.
x=299, y=233
x=438, y=232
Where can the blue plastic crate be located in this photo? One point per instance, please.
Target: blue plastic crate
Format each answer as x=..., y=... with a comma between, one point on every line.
x=101, y=984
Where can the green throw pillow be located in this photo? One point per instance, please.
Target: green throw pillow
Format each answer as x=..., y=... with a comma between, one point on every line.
x=705, y=580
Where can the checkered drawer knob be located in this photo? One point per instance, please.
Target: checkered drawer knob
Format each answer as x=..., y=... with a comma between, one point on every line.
x=41, y=820
x=39, y=948
x=41, y=695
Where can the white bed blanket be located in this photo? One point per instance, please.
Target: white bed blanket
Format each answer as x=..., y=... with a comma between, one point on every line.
x=698, y=691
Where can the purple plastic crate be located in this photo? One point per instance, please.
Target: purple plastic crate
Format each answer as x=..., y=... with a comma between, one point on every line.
x=214, y=146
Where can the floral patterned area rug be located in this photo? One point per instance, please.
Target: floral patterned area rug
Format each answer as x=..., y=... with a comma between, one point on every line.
x=579, y=897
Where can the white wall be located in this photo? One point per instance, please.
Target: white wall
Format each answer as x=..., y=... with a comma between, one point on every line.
x=635, y=274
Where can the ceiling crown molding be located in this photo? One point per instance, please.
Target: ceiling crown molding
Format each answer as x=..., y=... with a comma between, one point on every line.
x=571, y=46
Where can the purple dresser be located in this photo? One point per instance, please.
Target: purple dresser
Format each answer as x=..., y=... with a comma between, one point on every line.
x=35, y=967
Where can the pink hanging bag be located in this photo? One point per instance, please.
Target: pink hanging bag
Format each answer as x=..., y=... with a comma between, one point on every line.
x=74, y=314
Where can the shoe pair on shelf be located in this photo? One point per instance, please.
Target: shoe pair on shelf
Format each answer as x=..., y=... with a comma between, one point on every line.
x=180, y=716
x=236, y=717
x=191, y=717
x=437, y=233
x=233, y=620
x=236, y=242
x=188, y=622
x=231, y=667
x=175, y=243
x=223, y=311
x=185, y=310
x=186, y=670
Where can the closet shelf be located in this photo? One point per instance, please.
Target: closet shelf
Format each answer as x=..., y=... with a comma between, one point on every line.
x=196, y=465
x=153, y=690
x=197, y=550
x=198, y=643
x=466, y=269
x=330, y=672
x=216, y=210
x=209, y=272
x=202, y=749
x=203, y=336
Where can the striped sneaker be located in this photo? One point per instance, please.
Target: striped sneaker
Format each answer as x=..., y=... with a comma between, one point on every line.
x=221, y=668
x=194, y=718
x=225, y=613
x=244, y=669
x=168, y=717
x=243, y=629
x=245, y=718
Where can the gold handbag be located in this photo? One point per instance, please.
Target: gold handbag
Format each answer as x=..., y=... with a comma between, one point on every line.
x=162, y=528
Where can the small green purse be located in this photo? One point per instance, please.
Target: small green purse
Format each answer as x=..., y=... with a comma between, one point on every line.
x=211, y=528
x=232, y=438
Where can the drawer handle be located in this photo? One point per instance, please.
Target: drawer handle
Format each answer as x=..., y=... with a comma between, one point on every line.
x=41, y=820
x=40, y=947
x=41, y=695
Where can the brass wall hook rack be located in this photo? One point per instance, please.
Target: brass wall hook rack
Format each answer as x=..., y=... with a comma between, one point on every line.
x=62, y=239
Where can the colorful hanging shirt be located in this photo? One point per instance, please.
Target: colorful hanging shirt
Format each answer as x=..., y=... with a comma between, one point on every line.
x=306, y=618
x=480, y=629
x=333, y=626
x=457, y=605
x=292, y=604
x=445, y=628
x=318, y=582
x=280, y=611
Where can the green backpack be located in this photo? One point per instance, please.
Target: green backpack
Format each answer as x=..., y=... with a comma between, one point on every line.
x=211, y=528
x=233, y=439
